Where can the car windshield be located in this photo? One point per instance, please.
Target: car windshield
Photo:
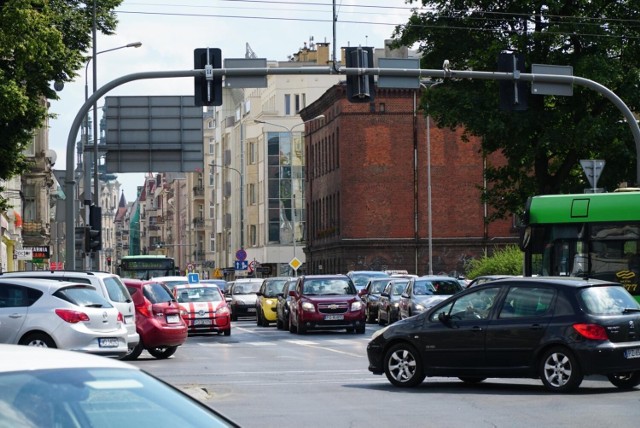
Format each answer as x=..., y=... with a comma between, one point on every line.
x=274, y=287
x=97, y=397
x=360, y=279
x=398, y=287
x=607, y=300
x=445, y=287
x=328, y=287
x=246, y=288
x=199, y=294
x=378, y=286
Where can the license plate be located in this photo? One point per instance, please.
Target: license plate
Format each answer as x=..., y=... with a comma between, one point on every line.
x=173, y=319
x=108, y=342
x=251, y=309
x=202, y=322
x=333, y=317
x=128, y=319
x=632, y=353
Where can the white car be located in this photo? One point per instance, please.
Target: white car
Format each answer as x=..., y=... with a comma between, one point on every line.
x=55, y=388
x=108, y=285
x=56, y=314
x=171, y=281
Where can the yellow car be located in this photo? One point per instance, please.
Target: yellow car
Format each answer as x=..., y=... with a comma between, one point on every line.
x=267, y=299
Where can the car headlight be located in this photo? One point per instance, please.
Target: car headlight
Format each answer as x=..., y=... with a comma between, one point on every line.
x=222, y=311
x=420, y=308
x=396, y=304
x=356, y=306
x=379, y=332
x=269, y=302
x=308, y=306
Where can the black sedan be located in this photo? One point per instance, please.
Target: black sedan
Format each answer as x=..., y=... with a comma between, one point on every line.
x=555, y=329
x=282, y=306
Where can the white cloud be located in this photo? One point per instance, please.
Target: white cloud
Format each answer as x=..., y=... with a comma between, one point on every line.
x=273, y=30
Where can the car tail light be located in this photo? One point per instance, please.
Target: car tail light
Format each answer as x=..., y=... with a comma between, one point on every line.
x=145, y=310
x=120, y=317
x=71, y=316
x=591, y=331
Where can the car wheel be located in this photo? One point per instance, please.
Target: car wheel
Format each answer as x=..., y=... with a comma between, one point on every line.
x=292, y=328
x=40, y=340
x=370, y=318
x=258, y=320
x=227, y=332
x=559, y=370
x=301, y=328
x=279, y=324
x=472, y=379
x=360, y=330
x=162, y=352
x=403, y=366
x=627, y=380
x=234, y=315
x=134, y=353
x=380, y=320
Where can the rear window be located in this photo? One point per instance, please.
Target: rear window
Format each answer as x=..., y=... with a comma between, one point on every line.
x=199, y=294
x=82, y=296
x=157, y=293
x=116, y=290
x=606, y=300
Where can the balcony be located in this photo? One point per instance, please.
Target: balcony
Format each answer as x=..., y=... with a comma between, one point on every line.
x=198, y=191
x=198, y=223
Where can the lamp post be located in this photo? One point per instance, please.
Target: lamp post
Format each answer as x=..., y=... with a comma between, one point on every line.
x=241, y=199
x=293, y=196
x=428, y=85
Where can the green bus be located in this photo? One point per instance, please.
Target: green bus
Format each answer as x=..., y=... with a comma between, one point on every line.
x=593, y=235
x=146, y=266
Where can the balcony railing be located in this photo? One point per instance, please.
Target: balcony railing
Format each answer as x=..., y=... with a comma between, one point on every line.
x=198, y=190
x=198, y=222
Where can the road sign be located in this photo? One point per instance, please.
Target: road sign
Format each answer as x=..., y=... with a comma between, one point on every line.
x=252, y=266
x=295, y=263
x=241, y=254
x=193, y=278
x=241, y=265
x=592, y=169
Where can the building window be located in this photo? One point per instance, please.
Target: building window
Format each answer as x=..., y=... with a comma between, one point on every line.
x=297, y=101
x=253, y=235
x=287, y=104
x=252, y=153
x=30, y=203
x=212, y=146
x=212, y=241
x=252, y=194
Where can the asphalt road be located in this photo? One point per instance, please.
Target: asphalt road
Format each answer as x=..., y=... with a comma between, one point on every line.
x=264, y=377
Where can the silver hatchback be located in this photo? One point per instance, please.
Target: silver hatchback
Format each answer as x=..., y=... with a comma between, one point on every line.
x=57, y=314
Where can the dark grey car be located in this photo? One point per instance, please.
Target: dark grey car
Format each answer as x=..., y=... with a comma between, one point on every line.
x=424, y=292
x=388, y=305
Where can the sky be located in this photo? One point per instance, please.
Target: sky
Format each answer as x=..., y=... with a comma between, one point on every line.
x=170, y=30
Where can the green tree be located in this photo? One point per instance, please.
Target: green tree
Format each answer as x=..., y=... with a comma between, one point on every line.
x=41, y=42
x=543, y=145
x=507, y=260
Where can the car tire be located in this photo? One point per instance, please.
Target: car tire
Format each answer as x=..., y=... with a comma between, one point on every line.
x=227, y=332
x=279, y=324
x=292, y=328
x=234, y=315
x=370, y=318
x=627, y=380
x=162, y=352
x=380, y=320
x=360, y=330
x=301, y=329
x=40, y=340
x=135, y=352
x=472, y=379
x=403, y=366
x=559, y=370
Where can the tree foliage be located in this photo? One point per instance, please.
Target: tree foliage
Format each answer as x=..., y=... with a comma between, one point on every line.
x=41, y=42
x=507, y=260
x=544, y=144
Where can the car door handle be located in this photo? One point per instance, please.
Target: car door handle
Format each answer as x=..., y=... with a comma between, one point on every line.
x=15, y=316
x=536, y=327
x=476, y=328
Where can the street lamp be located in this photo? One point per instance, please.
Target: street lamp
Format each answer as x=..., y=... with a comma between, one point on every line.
x=429, y=85
x=87, y=180
x=241, y=200
x=293, y=196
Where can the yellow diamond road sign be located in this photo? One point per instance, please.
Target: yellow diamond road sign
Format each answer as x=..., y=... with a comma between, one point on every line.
x=295, y=263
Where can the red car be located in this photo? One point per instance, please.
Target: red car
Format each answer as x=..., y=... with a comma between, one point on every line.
x=326, y=302
x=204, y=308
x=158, y=320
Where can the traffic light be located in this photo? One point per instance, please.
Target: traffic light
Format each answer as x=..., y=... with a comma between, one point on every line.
x=80, y=242
x=93, y=236
x=360, y=88
x=513, y=93
x=208, y=88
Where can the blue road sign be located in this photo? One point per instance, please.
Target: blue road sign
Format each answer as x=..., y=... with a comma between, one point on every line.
x=193, y=278
x=241, y=255
x=242, y=264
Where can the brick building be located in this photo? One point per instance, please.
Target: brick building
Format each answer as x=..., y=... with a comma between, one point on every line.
x=367, y=189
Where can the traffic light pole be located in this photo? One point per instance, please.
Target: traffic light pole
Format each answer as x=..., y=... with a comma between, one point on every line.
x=349, y=71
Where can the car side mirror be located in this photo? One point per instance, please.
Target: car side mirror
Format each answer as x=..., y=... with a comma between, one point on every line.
x=362, y=292
x=258, y=293
x=405, y=295
x=292, y=293
x=444, y=318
